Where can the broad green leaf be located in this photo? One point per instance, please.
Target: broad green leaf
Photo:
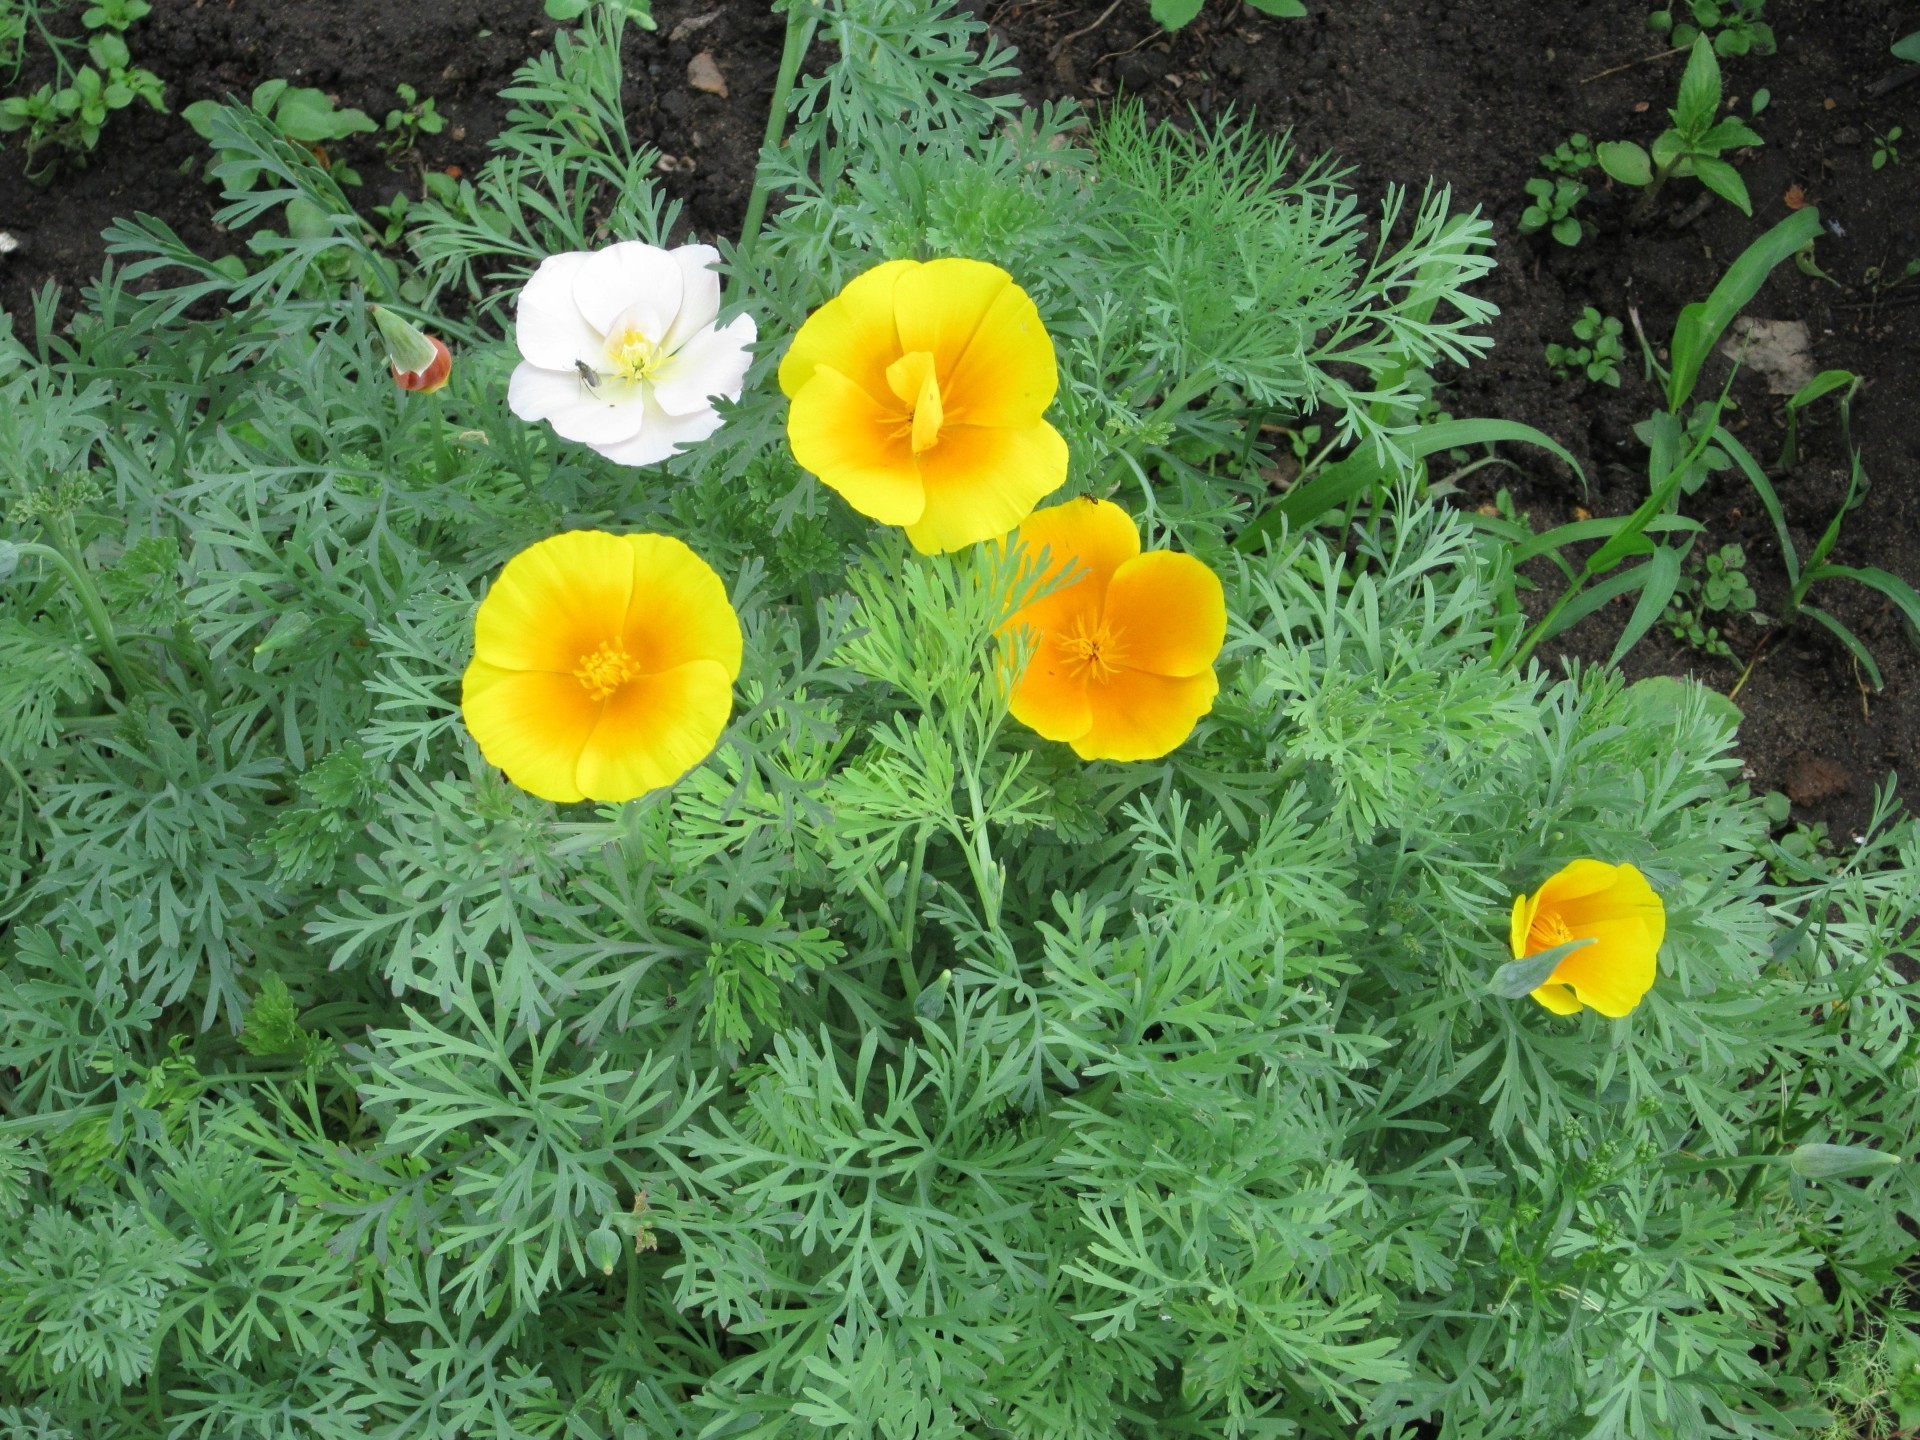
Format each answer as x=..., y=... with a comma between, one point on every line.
x=1907, y=47
x=1518, y=978
x=1723, y=180
x=1663, y=577
x=1665, y=695
x=1283, y=9
x=1625, y=162
x=1825, y=383
x=1173, y=14
x=1699, y=97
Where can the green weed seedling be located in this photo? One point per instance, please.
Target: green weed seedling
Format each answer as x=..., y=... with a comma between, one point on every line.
x=1598, y=354
x=303, y=115
x=1692, y=147
x=1552, y=196
x=1734, y=26
x=64, y=117
x=414, y=117
x=1716, y=585
x=1173, y=15
x=1885, y=152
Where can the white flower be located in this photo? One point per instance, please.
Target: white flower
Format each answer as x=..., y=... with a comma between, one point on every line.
x=620, y=352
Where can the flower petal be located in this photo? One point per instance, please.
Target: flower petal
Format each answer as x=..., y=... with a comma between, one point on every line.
x=661, y=435
x=533, y=725
x=1577, y=878
x=699, y=293
x=711, y=362
x=1137, y=716
x=1088, y=537
x=853, y=332
x=1007, y=374
x=1168, y=613
x=1627, y=894
x=1558, y=998
x=938, y=307
x=982, y=482
x=845, y=436
x=555, y=602
x=679, y=611
x=626, y=275
x=1615, y=972
x=655, y=729
x=1051, y=696
x=604, y=415
x=550, y=330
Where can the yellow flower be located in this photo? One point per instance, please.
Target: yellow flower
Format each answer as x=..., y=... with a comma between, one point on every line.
x=603, y=665
x=1611, y=905
x=1122, y=664
x=917, y=394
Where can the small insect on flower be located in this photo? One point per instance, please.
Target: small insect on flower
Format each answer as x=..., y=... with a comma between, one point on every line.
x=918, y=393
x=620, y=352
x=603, y=666
x=420, y=362
x=1122, y=662
x=1615, y=910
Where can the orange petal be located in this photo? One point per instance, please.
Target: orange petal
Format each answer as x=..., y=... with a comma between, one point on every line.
x=1627, y=894
x=1615, y=972
x=1007, y=374
x=849, y=439
x=554, y=602
x=679, y=612
x=1137, y=716
x=854, y=332
x=1168, y=613
x=980, y=483
x=531, y=724
x=1051, y=696
x=1091, y=537
x=655, y=729
x=939, y=306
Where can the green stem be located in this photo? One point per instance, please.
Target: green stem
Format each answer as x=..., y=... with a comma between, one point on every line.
x=800, y=28
x=65, y=555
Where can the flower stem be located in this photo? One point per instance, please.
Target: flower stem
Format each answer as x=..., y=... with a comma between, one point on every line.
x=65, y=555
x=800, y=28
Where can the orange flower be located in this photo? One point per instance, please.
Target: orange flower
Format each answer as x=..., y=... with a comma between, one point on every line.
x=917, y=394
x=1615, y=908
x=603, y=666
x=1122, y=664
x=419, y=361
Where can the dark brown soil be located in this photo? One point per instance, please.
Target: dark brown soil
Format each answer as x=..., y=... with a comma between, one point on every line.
x=1468, y=92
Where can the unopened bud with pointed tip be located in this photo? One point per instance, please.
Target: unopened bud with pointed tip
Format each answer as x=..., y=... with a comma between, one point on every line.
x=419, y=361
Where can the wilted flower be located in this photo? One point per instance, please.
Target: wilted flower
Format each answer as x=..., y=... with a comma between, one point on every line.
x=917, y=394
x=621, y=352
x=603, y=665
x=1614, y=907
x=1122, y=664
x=420, y=361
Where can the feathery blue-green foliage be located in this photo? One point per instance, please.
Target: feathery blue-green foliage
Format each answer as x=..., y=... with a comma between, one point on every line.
x=896, y=1074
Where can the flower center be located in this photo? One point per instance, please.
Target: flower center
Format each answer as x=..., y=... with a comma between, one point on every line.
x=1547, y=931
x=1094, y=649
x=914, y=384
x=605, y=669
x=634, y=356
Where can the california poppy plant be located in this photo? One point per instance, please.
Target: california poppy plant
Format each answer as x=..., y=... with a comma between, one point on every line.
x=1122, y=662
x=603, y=665
x=917, y=394
x=1612, y=906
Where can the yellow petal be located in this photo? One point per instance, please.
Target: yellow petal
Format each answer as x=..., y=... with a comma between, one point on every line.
x=679, y=612
x=939, y=306
x=1626, y=893
x=554, y=602
x=1091, y=537
x=531, y=724
x=1615, y=972
x=655, y=729
x=1051, y=697
x=1168, y=614
x=1007, y=374
x=913, y=383
x=1558, y=998
x=981, y=482
x=1137, y=716
x=854, y=332
x=1577, y=878
x=855, y=445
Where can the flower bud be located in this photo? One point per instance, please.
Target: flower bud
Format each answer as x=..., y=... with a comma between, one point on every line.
x=1833, y=1162
x=603, y=1249
x=419, y=361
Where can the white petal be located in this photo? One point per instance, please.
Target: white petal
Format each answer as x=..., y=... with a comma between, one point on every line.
x=661, y=436
x=699, y=292
x=714, y=362
x=624, y=275
x=607, y=416
x=551, y=331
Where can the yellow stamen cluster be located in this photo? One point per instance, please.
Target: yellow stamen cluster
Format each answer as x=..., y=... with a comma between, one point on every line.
x=635, y=357
x=604, y=670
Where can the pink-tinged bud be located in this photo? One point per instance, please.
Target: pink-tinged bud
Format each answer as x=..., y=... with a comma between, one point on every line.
x=419, y=361
x=433, y=377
